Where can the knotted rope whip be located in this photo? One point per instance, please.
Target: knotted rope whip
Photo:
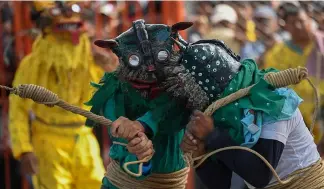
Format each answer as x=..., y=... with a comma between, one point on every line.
x=44, y=96
x=279, y=79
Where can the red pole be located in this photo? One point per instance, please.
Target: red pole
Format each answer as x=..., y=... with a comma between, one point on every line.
x=166, y=12
x=179, y=15
x=27, y=25
x=152, y=13
x=19, y=46
x=4, y=146
x=138, y=10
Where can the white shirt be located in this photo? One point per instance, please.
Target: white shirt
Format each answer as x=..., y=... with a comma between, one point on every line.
x=300, y=150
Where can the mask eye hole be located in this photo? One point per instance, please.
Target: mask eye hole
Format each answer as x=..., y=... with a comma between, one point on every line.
x=134, y=60
x=55, y=11
x=162, y=55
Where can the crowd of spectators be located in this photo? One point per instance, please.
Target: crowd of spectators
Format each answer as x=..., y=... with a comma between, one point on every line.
x=251, y=29
x=278, y=34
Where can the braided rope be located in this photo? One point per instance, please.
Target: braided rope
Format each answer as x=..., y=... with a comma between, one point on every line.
x=311, y=177
x=174, y=180
x=279, y=79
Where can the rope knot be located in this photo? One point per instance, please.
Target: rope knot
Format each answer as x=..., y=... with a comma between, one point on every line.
x=303, y=73
x=286, y=77
x=37, y=93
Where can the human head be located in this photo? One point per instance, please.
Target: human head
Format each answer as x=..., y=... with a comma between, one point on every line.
x=265, y=19
x=295, y=21
x=224, y=15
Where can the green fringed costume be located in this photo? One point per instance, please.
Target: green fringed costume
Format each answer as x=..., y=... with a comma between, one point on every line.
x=162, y=115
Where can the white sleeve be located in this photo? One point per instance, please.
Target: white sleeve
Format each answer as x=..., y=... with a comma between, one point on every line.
x=280, y=130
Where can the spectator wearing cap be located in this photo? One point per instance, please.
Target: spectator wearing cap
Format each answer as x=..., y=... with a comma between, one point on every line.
x=265, y=19
x=223, y=20
x=297, y=52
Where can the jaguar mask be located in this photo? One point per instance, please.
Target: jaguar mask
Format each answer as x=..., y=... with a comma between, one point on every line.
x=144, y=51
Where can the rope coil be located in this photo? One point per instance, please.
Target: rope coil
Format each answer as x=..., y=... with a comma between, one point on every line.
x=38, y=94
x=120, y=179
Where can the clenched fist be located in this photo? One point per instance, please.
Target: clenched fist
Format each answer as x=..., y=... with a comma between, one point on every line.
x=190, y=144
x=125, y=128
x=200, y=125
x=141, y=146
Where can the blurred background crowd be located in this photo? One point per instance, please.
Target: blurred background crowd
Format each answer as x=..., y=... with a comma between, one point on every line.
x=279, y=34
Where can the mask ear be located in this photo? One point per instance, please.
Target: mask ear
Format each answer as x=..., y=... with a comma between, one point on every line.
x=107, y=44
x=181, y=26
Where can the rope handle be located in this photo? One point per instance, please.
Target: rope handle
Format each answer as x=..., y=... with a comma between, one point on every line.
x=140, y=162
x=202, y=158
x=277, y=79
x=44, y=96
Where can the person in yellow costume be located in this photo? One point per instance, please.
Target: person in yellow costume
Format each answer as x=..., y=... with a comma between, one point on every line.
x=53, y=145
x=297, y=52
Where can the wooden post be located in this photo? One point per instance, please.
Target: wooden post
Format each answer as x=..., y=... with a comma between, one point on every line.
x=19, y=44
x=138, y=10
x=3, y=101
x=27, y=25
x=21, y=47
x=152, y=13
x=179, y=14
x=166, y=12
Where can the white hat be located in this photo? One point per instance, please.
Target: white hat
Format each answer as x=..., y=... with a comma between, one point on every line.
x=224, y=12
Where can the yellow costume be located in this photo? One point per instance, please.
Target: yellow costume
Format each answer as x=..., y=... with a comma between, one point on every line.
x=286, y=55
x=67, y=151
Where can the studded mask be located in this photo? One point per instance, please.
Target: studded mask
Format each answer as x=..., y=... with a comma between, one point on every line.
x=209, y=67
